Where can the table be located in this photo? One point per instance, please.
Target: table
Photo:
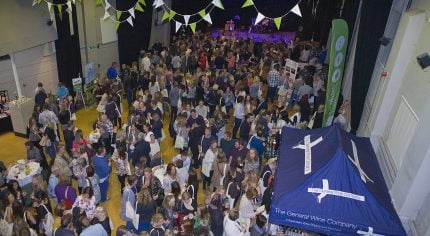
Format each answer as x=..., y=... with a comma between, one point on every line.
x=20, y=111
x=5, y=123
x=22, y=177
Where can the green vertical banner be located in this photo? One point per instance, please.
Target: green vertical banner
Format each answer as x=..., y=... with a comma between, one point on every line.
x=339, y=44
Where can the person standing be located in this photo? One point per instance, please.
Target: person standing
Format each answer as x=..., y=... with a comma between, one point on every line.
x=112, y=72
x=273, y=81
x=102, y=167
x=174, y=97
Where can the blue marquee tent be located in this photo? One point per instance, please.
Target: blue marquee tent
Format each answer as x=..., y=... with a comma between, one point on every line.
x=329, y=181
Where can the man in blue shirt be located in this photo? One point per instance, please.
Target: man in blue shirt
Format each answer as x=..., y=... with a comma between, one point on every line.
x=112, y=73
x=62, y=91
x=92, y=230
x=102, y=167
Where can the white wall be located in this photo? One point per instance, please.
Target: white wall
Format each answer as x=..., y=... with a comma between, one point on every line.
x=103, y=54
x=407, y=178
x=22, y=26
x=37, y=64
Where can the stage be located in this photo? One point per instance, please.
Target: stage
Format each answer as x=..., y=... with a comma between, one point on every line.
x=257, y=37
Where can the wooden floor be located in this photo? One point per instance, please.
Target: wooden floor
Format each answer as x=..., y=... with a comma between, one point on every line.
x=12, y=148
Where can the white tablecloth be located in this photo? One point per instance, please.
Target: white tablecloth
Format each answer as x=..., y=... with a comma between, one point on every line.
x=23, y=179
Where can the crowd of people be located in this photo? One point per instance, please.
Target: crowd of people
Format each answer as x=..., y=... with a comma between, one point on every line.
x=223, y=102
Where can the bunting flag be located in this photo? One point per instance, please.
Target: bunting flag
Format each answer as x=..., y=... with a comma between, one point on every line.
x=178, y=26
x=107, y=5
x=74, y=1
x=69, y=7
x=260, y=17
x=39, y=1
x=186, y=19
x=277, y=21
x=34, y=3
x=202, y=13
x=296, y=10
x=49, y=6
x=193, y=27
x=208, y=18
x=117, y=25
x=158, y=3
x=107, y=15
x=118, y=15
x=99, y=2
x=165, y=16
x=248, y=3
x=131, y=11
x=52, y=15
x=130, y=20
x=218, y=4
x=138, y=7
x=142, y=2
x=60, y=11
x=172, y=14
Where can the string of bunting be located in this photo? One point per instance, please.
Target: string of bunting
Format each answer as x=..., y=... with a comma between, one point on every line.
x=62, y=7
x=204, y=14
x=116, y=17
x=277, y=20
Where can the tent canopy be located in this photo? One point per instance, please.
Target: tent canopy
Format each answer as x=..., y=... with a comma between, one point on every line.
x=331, y=184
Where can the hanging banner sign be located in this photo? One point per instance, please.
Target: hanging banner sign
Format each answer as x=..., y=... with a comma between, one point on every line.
x=339, y=44
x=77, y=84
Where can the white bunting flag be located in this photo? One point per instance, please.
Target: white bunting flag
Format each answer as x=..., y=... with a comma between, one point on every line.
x=34, y=2
x=69, y=7
x=296, y=10
x=74, y=1
x=131, y=11
x=107, y=5
x=49, y=6
x=218, y=4
x=207, y=18
x=52, y=15
x=130, y=20
x=178, y=25
x=107, y=15
x=186, y=19
x=158, y=3
x=260, y=17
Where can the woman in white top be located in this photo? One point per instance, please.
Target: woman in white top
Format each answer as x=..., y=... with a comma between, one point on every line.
x=169, y=177
x=232, y=226
x=153, y=86
x=207, y=163
x=239, y=115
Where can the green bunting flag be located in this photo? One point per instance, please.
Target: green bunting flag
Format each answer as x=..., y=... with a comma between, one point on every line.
x=171, y=14
x=247, y=3
x=60, y=13
x=138, y=7
x=165, y=16
x=142, y=2
x=118, y=15
x=202, y=13
x=117, y=25
x=39, y=1
x=99, y=2
x=193, y=27
x=278, y=22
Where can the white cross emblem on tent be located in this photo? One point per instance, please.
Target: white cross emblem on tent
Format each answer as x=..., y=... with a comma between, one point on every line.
x=325, y=190
x=368, y=233
x=307, y=146
x=356, y=162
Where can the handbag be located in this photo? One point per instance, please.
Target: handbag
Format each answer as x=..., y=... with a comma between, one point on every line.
x=43, y=140
x=66, y=201
x=179, y=141
x=261, y=183
x=47, y=223
x=129, y=210
x=6, y=228
x=311, y=122
x=135, y=218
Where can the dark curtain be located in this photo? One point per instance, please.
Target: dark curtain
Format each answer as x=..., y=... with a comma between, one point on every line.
x=67, y=47
x=374, y=16
x=133, y=39
x=349, y=14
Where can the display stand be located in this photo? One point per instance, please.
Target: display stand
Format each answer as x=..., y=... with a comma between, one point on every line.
x=77, y=87
x=20, y=112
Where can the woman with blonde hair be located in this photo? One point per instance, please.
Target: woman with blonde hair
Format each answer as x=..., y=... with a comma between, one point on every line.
x=146, y=208
x=220, y=168
x=157, y=222
x=103, y=219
